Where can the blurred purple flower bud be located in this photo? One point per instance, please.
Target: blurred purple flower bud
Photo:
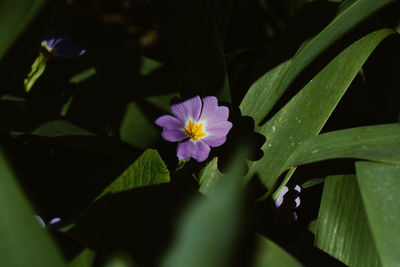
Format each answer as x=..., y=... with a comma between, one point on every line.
x=286, y=204
x=297, y=188
x=61, y=47
x=297, y=200
x=54, y=221
x=279, y=200
x=51, y=223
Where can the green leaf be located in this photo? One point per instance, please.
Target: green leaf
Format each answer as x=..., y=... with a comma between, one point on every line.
x=120, y=261
x=15, y=16
x=267, y=90
x=161, y=102
x=137, y=126
x=194, y=47
x=209, y=177
x=312, y=226
x=378, y=143
x=307, y=112
x=66, y=134
x=380, y=186
x=84, y=259
x=82, y=76
x=149, y=65
x=21, y=115
x=312, y=182
x=139, y=221
x=137, y=129
x=59, y=128
x=342, y=227
x=210, y=227
x=37, y=69
x=268, y=253
x=207, y=234
x=23, y=241
x=148, y=169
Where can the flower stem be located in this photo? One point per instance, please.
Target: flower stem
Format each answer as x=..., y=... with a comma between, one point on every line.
x=181, y=164
x=37, y=69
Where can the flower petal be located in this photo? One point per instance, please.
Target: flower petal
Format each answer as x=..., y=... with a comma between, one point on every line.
x=214, y=141
x=189, y=149
x=211, y=112
x=67, y=49
x=172, y=128
x=173, y=135
x=190, y=108
x=49, y=44
x=168, y=122
x=54, y=221
x=216, y=134
x=219, y=129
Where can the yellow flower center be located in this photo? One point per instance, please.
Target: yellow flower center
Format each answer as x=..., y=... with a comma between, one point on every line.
x=194, y=131
x=45, y=46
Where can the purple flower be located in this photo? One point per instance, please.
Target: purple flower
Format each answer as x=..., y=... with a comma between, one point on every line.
x=286, y=204
x=61, y=46
x=199, y=124
x=51, y=223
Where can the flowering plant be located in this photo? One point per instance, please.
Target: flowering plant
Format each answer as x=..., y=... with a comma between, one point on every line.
x=54, y=46
x=61, y=46
x=199, y=124
x=249, y=172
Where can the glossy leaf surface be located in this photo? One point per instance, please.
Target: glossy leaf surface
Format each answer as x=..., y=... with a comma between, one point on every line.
x=379, y=186
x=342, y=227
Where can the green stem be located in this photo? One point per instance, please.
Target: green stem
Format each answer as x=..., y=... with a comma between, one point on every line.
x=181, y=164
x=37, y=69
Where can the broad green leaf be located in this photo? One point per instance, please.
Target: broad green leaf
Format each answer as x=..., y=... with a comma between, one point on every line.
x=378, y=143
x=210, y=227
x=266, y=91
x=194, y=47
x=67, y=134
x=270, y=254
x=59, y=128
x=209, y=177
x=148, y=169
x=148, y=65
x=140, y=221
x=161, y=102
x=15, y=15
x=307, y=112
x=23, y=241
x=312, y=226
x=137, y=129
x=17, y=114
x=380, y=186
x=342, y=227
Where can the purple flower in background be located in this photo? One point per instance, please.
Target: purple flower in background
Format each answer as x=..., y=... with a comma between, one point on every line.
x=53, y=46
x=61, y=46
x=287, y=203
x=199, y=124
x=51, y=223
